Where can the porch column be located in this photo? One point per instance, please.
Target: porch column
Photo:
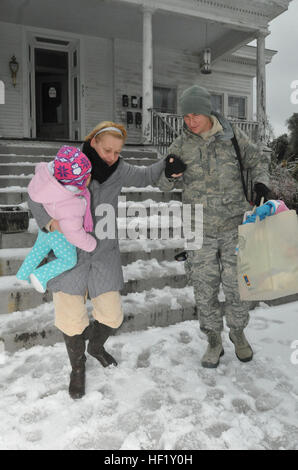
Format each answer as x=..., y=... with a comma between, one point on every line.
x=147, y=74
x=261, y=87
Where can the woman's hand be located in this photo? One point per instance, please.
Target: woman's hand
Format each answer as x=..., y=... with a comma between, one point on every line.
x=54, y=225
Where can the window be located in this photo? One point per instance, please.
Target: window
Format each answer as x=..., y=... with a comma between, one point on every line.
x=217, y=103
x=237, y=107
x=164, y=100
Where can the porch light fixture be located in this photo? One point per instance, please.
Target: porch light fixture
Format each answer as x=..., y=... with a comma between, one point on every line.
x=206, y=62
x=13, y=67
x=206, y=57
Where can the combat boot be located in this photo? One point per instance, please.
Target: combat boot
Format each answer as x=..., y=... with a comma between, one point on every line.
x=75, y=346
x=243, y=349
x=214, y=350
x=98, y=334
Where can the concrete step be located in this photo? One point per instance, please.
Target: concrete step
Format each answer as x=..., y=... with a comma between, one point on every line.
x=27, y=239
x=11, y=196
x=7, y=181
x=18, y=298
x=137, y=159
x=13, y=159
x=138, y=276
x=23, y=147
x=154, y=307
x=11, y=259
x=28, y=168
x=130, y=209
x=24, y=168
x=17, y=240
x=50, y=149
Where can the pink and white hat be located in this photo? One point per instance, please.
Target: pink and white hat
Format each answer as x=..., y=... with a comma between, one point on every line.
x=72, y=167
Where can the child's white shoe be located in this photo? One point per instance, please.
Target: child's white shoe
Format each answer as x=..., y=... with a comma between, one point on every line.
x=37, y=284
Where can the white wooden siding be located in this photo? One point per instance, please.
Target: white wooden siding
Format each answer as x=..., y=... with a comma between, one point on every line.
x=98, y=63
x=128, y=81
x=11, y=113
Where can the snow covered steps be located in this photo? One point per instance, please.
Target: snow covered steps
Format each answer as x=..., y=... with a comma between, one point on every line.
x=155, y=292
x=22, y=167
x=18, y=194
x=48, y=149
x=154, y=307
x=139, y=276
x=131, y=250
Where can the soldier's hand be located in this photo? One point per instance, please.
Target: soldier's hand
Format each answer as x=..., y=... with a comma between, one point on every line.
x=174, y=166
x=260, y=190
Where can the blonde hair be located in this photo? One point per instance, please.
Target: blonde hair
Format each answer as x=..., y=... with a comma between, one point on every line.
x=102, y=125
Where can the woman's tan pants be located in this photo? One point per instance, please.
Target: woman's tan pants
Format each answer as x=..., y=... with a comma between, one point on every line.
x=71, y=315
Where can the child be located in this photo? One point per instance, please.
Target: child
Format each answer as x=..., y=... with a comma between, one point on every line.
x=61, y=186
x=269, y=208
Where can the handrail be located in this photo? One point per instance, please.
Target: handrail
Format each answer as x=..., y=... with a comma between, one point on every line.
x=162, y=133
x=166, y=127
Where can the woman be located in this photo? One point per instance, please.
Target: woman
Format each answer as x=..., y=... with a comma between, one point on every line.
x=98, y=273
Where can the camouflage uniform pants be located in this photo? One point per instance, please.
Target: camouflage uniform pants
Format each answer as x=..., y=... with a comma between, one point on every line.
x=215, y=263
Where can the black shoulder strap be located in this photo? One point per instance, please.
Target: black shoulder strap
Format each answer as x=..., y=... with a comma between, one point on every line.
x=238, y=153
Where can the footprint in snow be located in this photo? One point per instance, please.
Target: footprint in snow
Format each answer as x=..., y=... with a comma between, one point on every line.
x=33, y=416
x=241, y=406
x=184, y=337
x=267, y=402
x=214, y=394
x=152, y=400
x=217, y=429
x=143, y=359
x=259, y=323
x=34, y=436
x=188, y=441
x=129, y=421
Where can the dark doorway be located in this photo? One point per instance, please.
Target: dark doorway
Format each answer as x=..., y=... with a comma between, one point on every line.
x=51, y=85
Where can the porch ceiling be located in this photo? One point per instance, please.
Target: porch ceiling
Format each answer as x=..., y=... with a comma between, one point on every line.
x=103, y=18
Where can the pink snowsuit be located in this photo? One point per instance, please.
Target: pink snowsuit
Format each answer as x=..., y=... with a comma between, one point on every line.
x=63, y=205
x=277, y=206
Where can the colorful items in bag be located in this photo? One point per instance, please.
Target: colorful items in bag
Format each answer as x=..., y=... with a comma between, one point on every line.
x=271, y=207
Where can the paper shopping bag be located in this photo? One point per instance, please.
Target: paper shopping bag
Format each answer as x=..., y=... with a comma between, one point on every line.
x=268, y=257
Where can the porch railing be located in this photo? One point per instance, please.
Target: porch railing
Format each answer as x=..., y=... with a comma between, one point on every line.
x=166, y=127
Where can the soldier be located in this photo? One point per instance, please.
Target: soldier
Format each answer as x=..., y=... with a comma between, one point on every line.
x=212, y=178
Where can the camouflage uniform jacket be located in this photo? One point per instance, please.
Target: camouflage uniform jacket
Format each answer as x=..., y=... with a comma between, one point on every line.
x=212, y=177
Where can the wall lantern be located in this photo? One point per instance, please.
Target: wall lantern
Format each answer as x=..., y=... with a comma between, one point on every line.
x=13, y=67
x=206, y=62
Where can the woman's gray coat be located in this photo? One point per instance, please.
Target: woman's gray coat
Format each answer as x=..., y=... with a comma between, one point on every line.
x=100, y=271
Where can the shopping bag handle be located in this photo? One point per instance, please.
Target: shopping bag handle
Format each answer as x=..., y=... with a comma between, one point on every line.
x=254, y=209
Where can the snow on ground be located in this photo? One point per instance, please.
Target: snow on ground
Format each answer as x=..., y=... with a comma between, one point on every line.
x=159, y=396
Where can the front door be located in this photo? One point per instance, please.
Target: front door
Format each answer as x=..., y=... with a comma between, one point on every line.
x=51, y=94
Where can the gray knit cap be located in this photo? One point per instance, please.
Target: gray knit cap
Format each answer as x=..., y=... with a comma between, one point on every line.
x=195, y=100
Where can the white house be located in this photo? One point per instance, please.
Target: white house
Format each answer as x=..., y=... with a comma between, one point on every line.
x=78, y=62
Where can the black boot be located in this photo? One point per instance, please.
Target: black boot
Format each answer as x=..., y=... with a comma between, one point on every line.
x=98, y=334
x=75, y=346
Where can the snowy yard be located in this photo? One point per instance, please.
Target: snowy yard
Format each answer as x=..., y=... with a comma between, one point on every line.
x=159, y=396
